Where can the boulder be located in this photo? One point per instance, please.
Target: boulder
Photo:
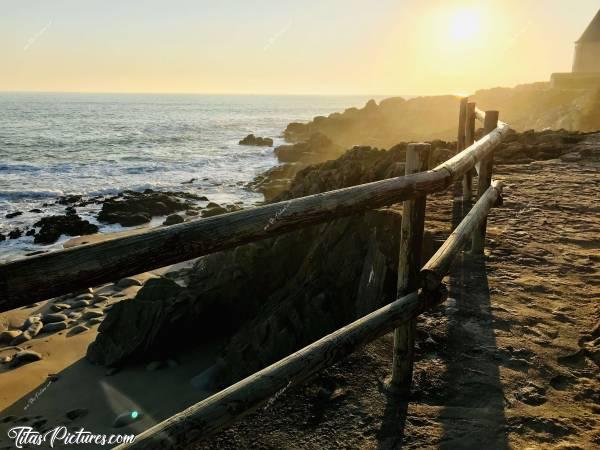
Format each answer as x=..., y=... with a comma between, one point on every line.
x=173, y=219
x=54, y=326
x=8, y=336
x=15, y=234
x=92, y=314
x=19, y=339
x=213, y=211
x=52, y=227
x=68, y=199
x=13, y=214
x=78, y=329
x=24, y=357
x=256, y=141
x=53, y=317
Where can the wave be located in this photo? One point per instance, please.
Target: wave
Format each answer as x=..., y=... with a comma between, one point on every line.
x=19, y=168
x=19, y=195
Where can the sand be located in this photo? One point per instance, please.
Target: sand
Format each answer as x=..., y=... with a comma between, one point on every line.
x=42, y=392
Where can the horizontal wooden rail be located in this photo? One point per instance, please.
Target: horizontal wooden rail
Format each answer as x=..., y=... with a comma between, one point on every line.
x=439, y=264
x=40, y=277
x=221, y=409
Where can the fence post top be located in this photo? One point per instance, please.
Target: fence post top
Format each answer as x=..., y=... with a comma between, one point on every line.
x=418, y=146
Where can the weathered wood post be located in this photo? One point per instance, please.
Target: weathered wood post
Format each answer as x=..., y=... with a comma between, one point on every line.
x=469, y=140
x=484, y=180
x=409, y=264
x=462, y=120
x=457, y=207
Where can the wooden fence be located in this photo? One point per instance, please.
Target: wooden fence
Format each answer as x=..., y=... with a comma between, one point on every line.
x=419, y=288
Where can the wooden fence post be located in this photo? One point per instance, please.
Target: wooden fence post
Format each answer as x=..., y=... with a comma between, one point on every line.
x=469, y=140
x=484, y=179
x=409, y=264
x=457, y=207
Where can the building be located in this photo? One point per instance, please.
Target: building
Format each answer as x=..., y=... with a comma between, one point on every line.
x=586, y=64
x=587, y=49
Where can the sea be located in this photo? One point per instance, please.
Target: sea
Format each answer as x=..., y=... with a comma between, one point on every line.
x=55, y=144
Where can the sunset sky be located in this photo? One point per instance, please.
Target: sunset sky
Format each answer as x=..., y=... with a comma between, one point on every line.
x=286, y=47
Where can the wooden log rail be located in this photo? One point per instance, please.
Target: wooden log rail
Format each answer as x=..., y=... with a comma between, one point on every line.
x=45, y=276
x=221, y=409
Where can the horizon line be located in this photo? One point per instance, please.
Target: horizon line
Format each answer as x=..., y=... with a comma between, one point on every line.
x=249, y=94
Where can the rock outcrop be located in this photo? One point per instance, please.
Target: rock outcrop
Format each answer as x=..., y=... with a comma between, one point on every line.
x=52, y=227
x=256, y=141
x=531, y=106
x=131, y=208
x=267, y=298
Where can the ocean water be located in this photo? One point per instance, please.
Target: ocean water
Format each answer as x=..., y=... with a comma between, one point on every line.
x=92, y=144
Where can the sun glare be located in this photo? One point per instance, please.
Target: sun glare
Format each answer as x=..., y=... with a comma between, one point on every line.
x=465, y=24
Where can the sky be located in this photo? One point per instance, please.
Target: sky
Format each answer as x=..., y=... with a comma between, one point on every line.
x=376, y=47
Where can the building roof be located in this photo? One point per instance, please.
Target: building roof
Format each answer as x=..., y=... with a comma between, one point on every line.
x=592, y=32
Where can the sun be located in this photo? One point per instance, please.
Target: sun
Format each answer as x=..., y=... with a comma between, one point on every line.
x=465, y=24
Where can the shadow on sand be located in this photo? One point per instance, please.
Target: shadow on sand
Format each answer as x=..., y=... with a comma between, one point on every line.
x=470, y=411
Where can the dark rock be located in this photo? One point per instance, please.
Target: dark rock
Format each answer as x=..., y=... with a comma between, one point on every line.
x=14, y=214
x=80, y=303
x=76, y=413
x=189, y=182
x=68, y=199
x=135, y=208
x=213, y=211
x=53, y=317
x=35, y=210
x=54, y=326
x=173, y=219
x=268, y=298
x=92, y=313
x=23, y=337
x=9, y=335
x=256, y=141
x=78, y=329
x=124, y=283
x=52, y=227
x=2, y=237
x=191, y=212
x=30, y=232
x=24, y=357
x=15, y=234
x=59, y=306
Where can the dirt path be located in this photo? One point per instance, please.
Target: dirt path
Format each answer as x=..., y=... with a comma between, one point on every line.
x=511, y=359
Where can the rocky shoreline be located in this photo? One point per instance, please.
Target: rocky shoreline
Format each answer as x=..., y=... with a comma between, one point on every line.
x=127, y=209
